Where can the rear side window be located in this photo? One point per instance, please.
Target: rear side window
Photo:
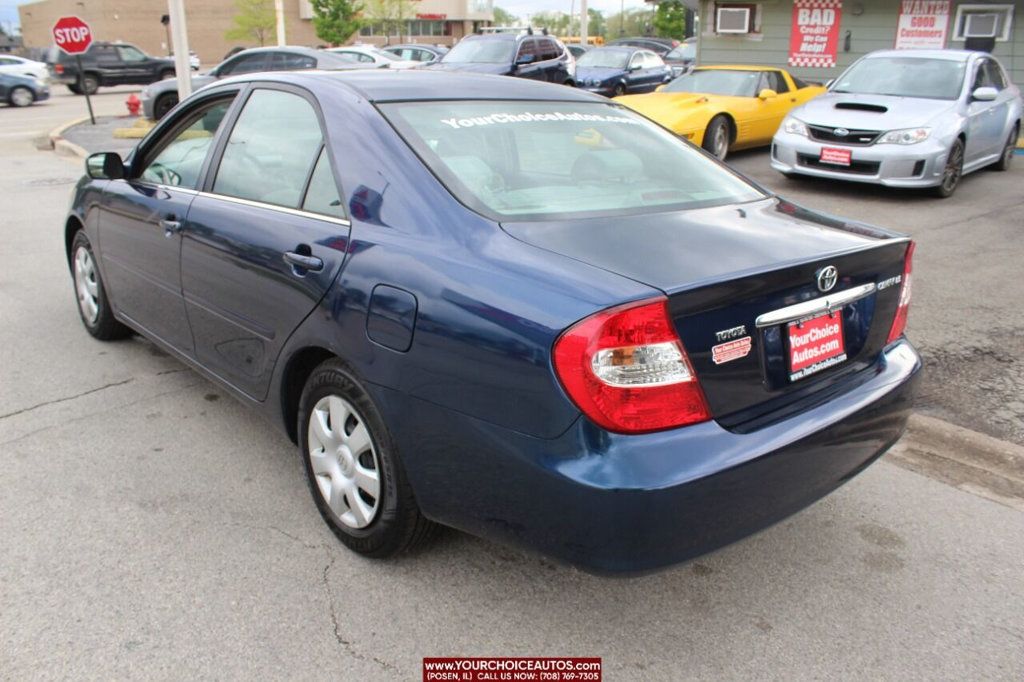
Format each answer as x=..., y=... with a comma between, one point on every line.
x=521, y=160
x=322, y=196
x=271, y=150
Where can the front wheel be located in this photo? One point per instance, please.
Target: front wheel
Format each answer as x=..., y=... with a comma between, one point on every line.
x=953, y=171
x=93, y=305
x=1003, y=164
x=619, y=90
x=353, y=468
x=163, y=104
x=716, y=137
x=21, y=97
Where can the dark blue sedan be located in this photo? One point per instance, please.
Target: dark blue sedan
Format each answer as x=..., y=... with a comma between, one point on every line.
x=615, y=71
x=22, y=91
x=505, y=306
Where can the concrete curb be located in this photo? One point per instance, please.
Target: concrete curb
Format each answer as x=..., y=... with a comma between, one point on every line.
x=965, y=459
x=63, y=147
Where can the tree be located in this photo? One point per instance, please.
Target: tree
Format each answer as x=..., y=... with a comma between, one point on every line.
x=632, y=22
x=392, y=15
x=334, y=21
x=595, y=23
x=504, y=18
x=670, y=19
x=254, y=20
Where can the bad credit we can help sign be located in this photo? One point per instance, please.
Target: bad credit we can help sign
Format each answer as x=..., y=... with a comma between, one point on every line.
x=815, y=36
x=922, y=25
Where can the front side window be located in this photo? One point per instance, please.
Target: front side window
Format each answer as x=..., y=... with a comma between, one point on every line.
x=288, y=61
x=777, y=82
x=717, y=82
x=271, y=150
x=180, y=160
x=130, y=54
x=521, y=160
x=904, y=77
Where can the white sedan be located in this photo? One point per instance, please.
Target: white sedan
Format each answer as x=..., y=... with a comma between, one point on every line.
x=18, y=66
x=368, y=54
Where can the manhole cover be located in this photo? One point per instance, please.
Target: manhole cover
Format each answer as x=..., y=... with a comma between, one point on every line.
x=49, y=182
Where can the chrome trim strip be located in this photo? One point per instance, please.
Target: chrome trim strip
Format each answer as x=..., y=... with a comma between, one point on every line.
x=816, y=306
x=279, y=209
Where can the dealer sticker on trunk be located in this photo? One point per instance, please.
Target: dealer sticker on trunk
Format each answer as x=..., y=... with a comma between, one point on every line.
x=815, y=344
x=731, y=350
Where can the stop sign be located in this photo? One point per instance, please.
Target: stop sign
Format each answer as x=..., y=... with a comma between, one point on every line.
x=72, y=35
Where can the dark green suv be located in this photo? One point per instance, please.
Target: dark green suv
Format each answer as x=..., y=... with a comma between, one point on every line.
x=107, y=64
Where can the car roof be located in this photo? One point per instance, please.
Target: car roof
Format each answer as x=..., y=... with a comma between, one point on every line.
x=280, y=48
x=738, y=67
x=386, y=85
x=951, y=55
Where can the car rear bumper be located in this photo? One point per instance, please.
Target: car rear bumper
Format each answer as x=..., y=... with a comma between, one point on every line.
x=916, y=165
x=611, y=503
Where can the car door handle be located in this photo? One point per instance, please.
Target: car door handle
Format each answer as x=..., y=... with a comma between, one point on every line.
x=171, y=226
x=299, y=260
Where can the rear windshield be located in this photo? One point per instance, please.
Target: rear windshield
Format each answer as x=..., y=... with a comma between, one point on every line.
x=523, y=160
x=904, y=77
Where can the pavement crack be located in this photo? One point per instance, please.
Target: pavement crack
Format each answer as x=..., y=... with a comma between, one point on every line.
x=345, y=644
x=67, y=398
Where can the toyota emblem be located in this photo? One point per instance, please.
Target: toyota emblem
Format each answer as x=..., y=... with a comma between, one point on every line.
x=827, y=278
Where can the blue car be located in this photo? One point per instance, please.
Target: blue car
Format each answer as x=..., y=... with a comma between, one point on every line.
x=22, y=91
x=615, y=71
x=508, y=307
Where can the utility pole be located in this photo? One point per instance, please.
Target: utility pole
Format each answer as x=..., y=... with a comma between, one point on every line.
x=279, y=14
x=179, y=38
x=584, y=22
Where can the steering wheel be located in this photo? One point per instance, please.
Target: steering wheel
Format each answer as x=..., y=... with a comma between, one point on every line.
x=164, y=175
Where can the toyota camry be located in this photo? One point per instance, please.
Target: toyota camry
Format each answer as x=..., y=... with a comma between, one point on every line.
x=509, y=307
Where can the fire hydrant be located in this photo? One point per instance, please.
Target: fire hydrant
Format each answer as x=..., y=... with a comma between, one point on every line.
x=134, y=104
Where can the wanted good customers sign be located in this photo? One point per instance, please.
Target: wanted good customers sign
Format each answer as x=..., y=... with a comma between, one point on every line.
x=923, y=24
x=814, y=37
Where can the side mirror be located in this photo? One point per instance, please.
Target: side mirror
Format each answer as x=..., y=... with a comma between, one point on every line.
x=985, y=94
x=767, y=93
x=105, y=166
x=524, y=59
x=634, y=67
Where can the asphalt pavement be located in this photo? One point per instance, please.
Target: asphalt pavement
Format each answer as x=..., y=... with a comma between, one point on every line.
x=153, y=528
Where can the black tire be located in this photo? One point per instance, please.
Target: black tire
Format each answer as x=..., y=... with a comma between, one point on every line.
x=168, y=73
x=397, y=524
x=75, y=89
x=953, y=171
x=88, y=83
x=717, y=137
x=619, y=90
x=21, y=97
x=163, y=104
x=104, y=326
x=1006, y=160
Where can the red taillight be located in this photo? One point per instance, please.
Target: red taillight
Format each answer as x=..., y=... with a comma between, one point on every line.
x=626, y=369
x=899, y=323
x=59, y=68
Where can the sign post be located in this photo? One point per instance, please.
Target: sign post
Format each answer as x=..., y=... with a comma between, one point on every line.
x=73, y=36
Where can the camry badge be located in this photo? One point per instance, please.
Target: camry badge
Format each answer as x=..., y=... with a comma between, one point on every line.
x=827, y=278
x=840, y=132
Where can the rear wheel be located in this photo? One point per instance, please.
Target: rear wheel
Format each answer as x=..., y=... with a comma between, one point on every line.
x=1004, y=162
x=716, y=137
x=353, y=468
x=93, y=306
x=163, y=104
x=953, y=171
x=88, y=84
x=21, y=97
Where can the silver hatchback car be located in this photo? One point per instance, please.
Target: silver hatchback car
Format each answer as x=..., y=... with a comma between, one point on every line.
x=905, y=119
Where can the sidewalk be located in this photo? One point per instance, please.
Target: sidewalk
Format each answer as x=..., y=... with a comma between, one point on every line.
x=101, y=137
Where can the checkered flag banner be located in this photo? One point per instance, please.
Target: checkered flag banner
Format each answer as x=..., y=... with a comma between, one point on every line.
x=815, y=33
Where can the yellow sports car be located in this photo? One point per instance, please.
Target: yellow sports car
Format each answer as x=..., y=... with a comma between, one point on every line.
x=725, y=107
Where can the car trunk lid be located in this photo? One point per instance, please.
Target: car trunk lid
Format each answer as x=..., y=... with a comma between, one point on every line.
x=742, y=283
